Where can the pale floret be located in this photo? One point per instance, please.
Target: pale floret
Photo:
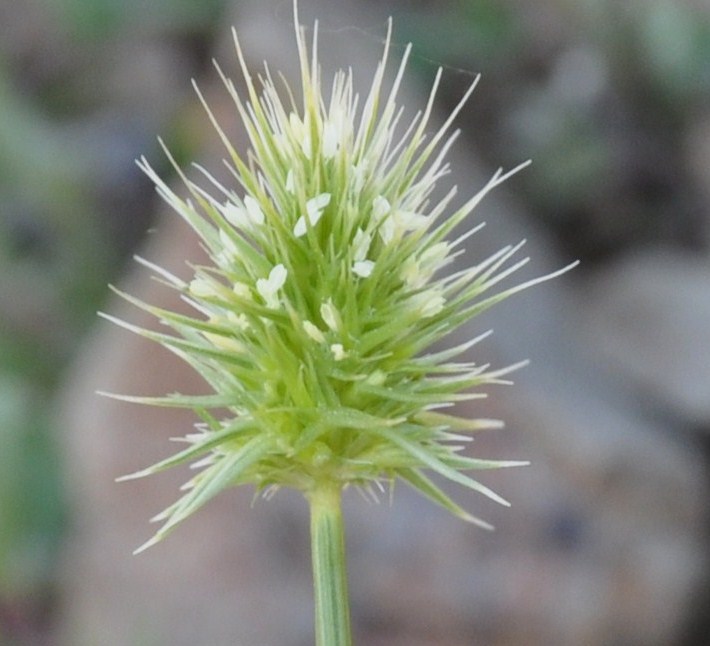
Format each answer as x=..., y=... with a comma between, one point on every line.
x=240, y=321
x=382, y=218
x=269, y=287
x=246, y=217
x=313, y=332
x=330, y=315
x=357, y=176
x=254, y=212
x=410, y=221
x=331, y=140
x=225, y=343
x=418, y=271
x=241, y=290
x=380, y=208
x=428, y=303
x=338, y=351
x=202, y=288
x=229, y=248
x=363, y=268
x=301, y=133
x=314, y=212
x=361, y=245
x=393, y=223
x=387, y=230
x=337, y=128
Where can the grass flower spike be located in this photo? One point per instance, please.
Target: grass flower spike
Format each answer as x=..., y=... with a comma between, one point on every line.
x=325, y=290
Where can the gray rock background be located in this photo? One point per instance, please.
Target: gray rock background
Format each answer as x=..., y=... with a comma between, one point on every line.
x=607, y=540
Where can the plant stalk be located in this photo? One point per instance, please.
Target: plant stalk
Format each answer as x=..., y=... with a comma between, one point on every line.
x=332, y=611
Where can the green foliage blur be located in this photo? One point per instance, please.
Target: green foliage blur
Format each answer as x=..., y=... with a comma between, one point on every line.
x=95, y=19
x=604, y=96
x=72, y=207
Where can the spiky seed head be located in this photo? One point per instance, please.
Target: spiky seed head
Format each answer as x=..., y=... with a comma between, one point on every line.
x=323, y=293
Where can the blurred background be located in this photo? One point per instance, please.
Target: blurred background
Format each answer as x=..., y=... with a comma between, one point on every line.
x=608, y=539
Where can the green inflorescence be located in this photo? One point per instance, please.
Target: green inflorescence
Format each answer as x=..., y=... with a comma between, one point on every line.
x=325, y=291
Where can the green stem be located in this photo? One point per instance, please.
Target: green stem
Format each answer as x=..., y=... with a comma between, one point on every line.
x=332, y=612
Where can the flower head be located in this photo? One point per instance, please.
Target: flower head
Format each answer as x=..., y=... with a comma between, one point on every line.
x=323, y=293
